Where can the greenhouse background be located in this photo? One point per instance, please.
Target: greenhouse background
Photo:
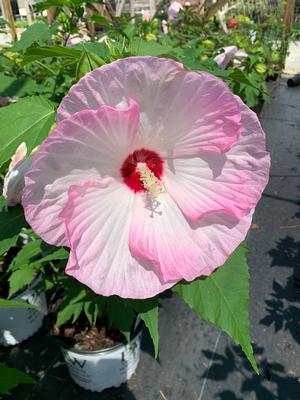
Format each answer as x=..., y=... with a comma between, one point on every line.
x=228, y=333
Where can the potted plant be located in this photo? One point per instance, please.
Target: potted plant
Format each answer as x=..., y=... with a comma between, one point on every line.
x=19, y=282
x=99, y=336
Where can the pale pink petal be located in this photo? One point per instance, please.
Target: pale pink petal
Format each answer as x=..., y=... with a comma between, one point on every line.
x=97, y=218
x=90, y=144
x=182, y=113
x=231, y=182
x=218, y=235
x=202, y=116
x=143, y=79
x=160, y=233
x=224, y=58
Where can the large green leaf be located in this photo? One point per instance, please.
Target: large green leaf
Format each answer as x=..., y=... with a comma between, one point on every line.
x=16, y=304
x=29, y=120
x=223, y=298
x=148, y=310
x=11, y=377
x=38, y=32
x=11, y=223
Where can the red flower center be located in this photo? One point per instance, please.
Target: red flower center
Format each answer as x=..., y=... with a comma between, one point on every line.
x=130, y=168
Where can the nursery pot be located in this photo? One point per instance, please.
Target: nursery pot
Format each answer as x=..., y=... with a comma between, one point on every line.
x=18, y=324
x=97, y=370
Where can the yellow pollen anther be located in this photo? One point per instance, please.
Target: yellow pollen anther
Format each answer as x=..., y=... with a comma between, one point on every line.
x=149, y=180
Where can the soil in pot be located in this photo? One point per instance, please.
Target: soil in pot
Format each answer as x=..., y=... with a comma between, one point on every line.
x=97, y=357
x=84, y=337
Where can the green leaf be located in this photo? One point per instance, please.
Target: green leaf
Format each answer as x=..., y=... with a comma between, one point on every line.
x=38, y=32
x=88, y=62
x=32, y=119
x=51, y=3
x=26, y=255
x=140, y=47
x=20, y=278
x=16, y=304
x=120, y=315
x=100, y=49
x=69, y=312
x=148, y=310
x=38, y=53
x=11, y=377
x=99, y=19
x=223, y=298
x=18, y=87
x=11, y=222
x=89, y=310
x=59, y=254
x=237, y=75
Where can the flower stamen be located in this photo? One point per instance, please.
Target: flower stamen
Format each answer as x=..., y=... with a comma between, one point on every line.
x=149, y=181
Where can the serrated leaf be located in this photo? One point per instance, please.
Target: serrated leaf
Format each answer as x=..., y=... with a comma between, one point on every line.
x=223, y=298
x=20, y=278
x=68, y=312
x=32, y=119
x=16, y=304
x=148, y=310
x=38, y=32
x=11, y=222
x=11, y=377
x=26, y=255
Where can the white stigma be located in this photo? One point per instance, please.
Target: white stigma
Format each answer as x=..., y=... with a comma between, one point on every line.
x=150, y=182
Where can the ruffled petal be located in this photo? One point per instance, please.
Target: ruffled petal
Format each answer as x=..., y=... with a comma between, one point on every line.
x=97, y=218
x=143, y=79
x=90, y=144
x=182, y=113
x=230, y=183
x=160, y=234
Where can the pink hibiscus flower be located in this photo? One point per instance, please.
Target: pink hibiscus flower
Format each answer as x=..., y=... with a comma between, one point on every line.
x=151, y=176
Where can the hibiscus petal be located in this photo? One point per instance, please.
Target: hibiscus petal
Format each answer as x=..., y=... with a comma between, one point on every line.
x=97, y=218
x=90, y=144
x=182, y=113
x=160, y=233
x=230, y=183
x=143, y=79
x=218, y=235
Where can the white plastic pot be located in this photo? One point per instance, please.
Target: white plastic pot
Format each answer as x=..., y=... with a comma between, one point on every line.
x=18, y=324
x=99, y=370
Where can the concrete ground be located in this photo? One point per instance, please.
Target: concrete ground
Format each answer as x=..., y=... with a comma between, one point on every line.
x=196, y=361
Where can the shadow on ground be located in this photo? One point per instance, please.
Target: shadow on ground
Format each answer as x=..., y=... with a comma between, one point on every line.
x=283, y=308
x=272, y=383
